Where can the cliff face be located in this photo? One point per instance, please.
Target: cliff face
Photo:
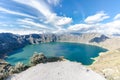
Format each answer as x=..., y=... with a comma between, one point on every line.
x=10, y=42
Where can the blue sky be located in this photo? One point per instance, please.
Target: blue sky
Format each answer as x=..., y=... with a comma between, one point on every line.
x=40, y=16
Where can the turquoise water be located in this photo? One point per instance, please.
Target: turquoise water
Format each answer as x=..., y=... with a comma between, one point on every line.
x=71, y=51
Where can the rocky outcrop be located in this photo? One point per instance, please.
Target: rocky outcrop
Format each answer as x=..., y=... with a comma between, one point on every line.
x=41, y=58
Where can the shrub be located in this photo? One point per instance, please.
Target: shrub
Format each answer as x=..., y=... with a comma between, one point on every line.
x=54, y=59
x=38, y=58
x=17, y=68
x=4, y=75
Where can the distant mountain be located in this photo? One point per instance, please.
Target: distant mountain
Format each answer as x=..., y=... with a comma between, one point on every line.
x=10, y=42
x=99, y=39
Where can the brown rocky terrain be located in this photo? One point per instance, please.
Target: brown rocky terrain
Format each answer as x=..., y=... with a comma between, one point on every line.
x=108, y=64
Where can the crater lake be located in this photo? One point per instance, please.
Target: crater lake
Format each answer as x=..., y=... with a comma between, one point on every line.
x=82, y=53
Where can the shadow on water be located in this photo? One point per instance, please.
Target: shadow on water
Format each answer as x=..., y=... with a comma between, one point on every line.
x=15, y=52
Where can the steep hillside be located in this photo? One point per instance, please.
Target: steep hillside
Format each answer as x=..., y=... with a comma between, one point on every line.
x=108, y=64
x=10, y=42
x=81, y=38
x=111, y=44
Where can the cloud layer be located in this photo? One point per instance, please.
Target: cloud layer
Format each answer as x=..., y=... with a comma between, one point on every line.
x=96, y=18
x=93, y=24
x=38, y=16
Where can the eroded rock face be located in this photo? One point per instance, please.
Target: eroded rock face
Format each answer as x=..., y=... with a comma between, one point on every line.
x=10, y=42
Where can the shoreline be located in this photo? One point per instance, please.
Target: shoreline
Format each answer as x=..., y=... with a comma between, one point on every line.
x=80, y=44
x=86, y=43
x=98, y=58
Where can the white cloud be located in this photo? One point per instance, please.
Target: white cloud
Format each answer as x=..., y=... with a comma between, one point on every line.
x=54, y=2
x=51, y=22
x=112, y=27
x=20, y=31
x=58, y=20
x=39, y=5
x=15, y=13
x=63, y=21
x=44, y=9
x=117, y=16
x=30, y=22
x=79, y=27
x=96, y=18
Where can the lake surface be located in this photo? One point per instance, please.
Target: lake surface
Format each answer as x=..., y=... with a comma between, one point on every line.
x=71, y=51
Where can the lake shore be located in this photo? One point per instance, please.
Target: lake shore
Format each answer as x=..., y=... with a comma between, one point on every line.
x=59, y=49
x=107, y=63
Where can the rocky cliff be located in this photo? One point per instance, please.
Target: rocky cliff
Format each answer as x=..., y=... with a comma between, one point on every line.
x=10, y=42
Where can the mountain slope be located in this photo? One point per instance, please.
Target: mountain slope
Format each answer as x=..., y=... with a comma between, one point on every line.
x=108, y=64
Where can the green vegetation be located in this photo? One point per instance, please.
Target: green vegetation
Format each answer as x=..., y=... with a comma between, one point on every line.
x=41, y=58
x=19, y=67
x=9, y=70
x=38, y=58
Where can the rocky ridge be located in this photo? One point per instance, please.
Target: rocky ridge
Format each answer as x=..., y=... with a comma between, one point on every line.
x=10, y=42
